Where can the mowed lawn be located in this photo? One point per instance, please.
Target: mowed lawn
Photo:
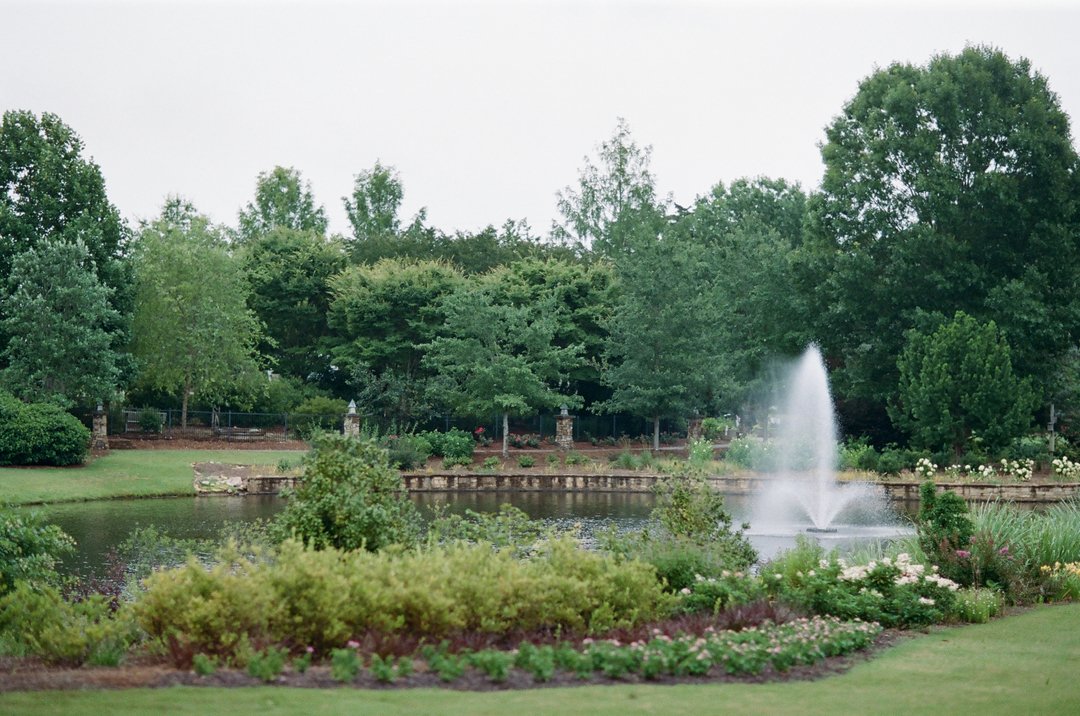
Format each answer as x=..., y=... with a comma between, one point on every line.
x=124, y=473
x=1025, y=664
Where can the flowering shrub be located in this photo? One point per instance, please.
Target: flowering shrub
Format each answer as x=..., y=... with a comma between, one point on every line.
x=896, y=592
x=978, y=605
x=985, y=473
x=1061, y=580
x=718, y=593
x=925, y=469
x=1018, y=469
x=1066, y=469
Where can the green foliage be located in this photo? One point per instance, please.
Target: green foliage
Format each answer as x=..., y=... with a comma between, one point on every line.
x=947, y=186
x=713, y=428
x=944, y=525
x=406, y=452
x=59, y=632
x=317, y=414
x=350, y=498
x=978, y=605
x=454, y=443
x=495, y=664
x=894, y=460
x=700, y=453
x=193, y=331
x=499, y=358
x=281, y=201
x=507, y=528
x=29, y=549
x=344, y=665
x=958, y=380
x=204, y=665
x=575, y=458
x=149, y=420
x=751, y=453
x=452, y=462
x=289, y=273
x=40, y=434
x=267, y=665
x=62, y=329
x=894, y=593
x=859, y=455
x=724, y=591
x=323, y=598
x=688, y=507
x=491, y=464
x=526, y=461
x=373, y=206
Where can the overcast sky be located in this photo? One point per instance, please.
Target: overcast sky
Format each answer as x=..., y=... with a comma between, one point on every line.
x=485, y=109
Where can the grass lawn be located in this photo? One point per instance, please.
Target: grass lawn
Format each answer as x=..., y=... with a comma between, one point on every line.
x=124, y=473
x=1027, y=664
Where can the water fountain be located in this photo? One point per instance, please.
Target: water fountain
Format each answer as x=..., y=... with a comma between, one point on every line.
x=802, y=495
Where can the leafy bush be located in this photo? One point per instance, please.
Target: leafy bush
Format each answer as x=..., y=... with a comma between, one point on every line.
x=454, y=443
x=59, y=632
x=715, y=594
x=944, y=527
x=451, y=462
x=406, y=452
x=1029, y=447
x=978, y=605
x=526, y=461
x=29, y=549
x=322, y=598
x=700, y=452
x=344, y=664
x=893, y=461
x=575, y=458
x=40, y=434
x=204, y=665
x=713, y=428
x=267, y=665
x=623, y=461
x=859, y=455
x=491, y=464
x=317, y=414
x=894, y=593
x=349, y=499
x=149, y=420
x=688, y=507
x=751, y=453
x=509, y=527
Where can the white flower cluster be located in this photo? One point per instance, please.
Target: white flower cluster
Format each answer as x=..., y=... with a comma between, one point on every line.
x=924, y=468
x=1020, y=469
x=985, y=472
x=910, y=572
x=1066, y=469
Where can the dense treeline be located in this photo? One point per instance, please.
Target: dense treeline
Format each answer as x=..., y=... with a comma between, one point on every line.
x=937, y=267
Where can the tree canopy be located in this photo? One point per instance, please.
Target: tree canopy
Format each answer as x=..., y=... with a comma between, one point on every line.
x=281, y=201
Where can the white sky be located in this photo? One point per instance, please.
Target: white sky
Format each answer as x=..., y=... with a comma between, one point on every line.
x=486, y=109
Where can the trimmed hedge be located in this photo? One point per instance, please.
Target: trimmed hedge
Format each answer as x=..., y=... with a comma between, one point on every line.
x=40, y=434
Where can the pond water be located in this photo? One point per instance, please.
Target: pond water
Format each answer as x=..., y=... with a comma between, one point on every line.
x=100, y=526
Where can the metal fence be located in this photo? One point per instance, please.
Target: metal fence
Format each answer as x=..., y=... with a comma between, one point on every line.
x=236, y=426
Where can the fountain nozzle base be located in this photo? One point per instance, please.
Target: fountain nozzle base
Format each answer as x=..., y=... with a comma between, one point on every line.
x=821, y=529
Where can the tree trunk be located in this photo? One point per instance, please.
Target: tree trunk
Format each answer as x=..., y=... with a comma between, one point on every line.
x=183, y=405
x=506, y=435
x=656, y=432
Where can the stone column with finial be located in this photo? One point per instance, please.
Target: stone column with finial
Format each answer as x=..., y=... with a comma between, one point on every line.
x=564, y=429
x=100, y=431
x=352, y=421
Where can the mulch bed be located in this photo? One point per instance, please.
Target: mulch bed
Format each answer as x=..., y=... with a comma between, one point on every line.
x=32, y=675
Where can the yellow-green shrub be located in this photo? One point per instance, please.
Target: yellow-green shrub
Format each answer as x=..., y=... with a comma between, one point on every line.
x=301, y=597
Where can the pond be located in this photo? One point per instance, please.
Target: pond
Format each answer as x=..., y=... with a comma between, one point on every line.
x=100, y=526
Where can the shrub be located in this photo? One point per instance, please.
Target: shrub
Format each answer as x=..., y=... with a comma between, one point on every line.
x=688, y=507
x=509, y=527
x=623, y=461
x=893, y=461
x=149, y=420
x=344, y=664
x=526, y=461
x=324, y=598
x=267, y=665
x=40, y=434
x=713, y=428
x=59, y=632
x=751, y=453
x=454, y=443
x=30, y=549
x=349, y=499
x=859, y=455
x=406, y=452
x=944, y=527
x=317, y=414
x=451, y=462
x=717, y=593
x=204, y=665
x=700, y=452
x=491, y=463
x=575, y=458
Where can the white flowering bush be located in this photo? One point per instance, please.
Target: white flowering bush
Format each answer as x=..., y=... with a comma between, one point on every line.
x=899, y=592
x=1066, y=469
x=985, y=473
x=1021, y=470
x=925, y=468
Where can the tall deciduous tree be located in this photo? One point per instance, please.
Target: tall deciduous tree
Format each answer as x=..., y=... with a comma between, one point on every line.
x=951, y=186
x=611, y=193
x=282, y=200
x=374, y=203
x=289, y=273
x=61, y=326
x=499, y=358
x=956, y=381
x=193, y=331
x=663, y=335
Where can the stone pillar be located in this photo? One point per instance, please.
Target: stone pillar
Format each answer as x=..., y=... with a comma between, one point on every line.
x=101, y=429
x=564, y=430
x=693, y=429
x=352, y=421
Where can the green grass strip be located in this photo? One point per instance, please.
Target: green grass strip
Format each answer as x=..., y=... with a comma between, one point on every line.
x=1027, y=664
x=124, y=473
